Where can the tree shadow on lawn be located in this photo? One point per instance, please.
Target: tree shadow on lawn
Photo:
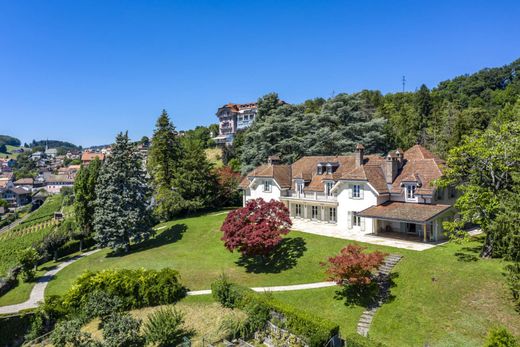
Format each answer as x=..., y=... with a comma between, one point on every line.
x=170, y=235
x=469, y=254
x=284, y=257
x=368, y=296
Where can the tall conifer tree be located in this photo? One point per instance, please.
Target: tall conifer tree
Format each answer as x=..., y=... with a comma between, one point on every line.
x=122, y=213
x=163, y=161
x=85, y=196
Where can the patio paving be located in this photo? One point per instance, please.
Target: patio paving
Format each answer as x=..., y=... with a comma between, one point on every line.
x=334, y=231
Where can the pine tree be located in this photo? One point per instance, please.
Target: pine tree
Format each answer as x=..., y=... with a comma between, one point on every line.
x=122, y=211
x=85, y=196
x=195, y=184
x=163, y=160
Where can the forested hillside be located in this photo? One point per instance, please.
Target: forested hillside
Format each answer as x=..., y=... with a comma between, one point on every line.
x=437, y=118
x=9, y=140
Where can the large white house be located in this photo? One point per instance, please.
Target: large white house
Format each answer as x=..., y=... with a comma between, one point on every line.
x=360, y=193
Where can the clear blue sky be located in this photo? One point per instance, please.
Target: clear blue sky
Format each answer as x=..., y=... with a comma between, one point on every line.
x=83, y=70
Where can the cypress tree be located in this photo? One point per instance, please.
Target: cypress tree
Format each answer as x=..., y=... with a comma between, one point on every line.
x=122, y=203
x=85, y=195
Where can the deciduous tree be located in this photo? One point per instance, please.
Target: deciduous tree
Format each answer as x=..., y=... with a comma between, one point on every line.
x=353, y=266
x=257, y=228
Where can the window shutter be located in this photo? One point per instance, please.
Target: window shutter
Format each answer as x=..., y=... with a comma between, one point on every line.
x=361, y=191
x=362, y=224
x=349, y=220
x=350, y=187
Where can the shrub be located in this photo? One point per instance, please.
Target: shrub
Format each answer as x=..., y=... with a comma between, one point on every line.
x=225, y=292
x=68, y=333
x=314, y=330
x=257, y=228
x=164, y=327
x=355, y=340
x=100, y=304
x=122, y=330
x=28, y=258
x=500, y=337
x=136, y=288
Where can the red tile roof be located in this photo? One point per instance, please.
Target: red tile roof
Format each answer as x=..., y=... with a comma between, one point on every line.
x=89, y=156
x=402, y=211
x=419, y=165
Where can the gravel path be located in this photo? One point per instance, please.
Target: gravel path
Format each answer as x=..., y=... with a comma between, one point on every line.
x=38, y=291
x=276, y=288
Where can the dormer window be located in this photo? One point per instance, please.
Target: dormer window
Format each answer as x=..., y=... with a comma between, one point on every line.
x=267, y=186
x=410, y=191
x=328, y=188
x=320, y=169
x=329, y=169
x=299, y=187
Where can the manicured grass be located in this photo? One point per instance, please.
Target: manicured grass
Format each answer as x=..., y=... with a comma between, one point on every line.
x=193, y=247
x=444, y=296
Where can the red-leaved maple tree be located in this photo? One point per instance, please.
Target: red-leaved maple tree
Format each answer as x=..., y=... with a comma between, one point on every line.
x=353, y=266
x=256, y=228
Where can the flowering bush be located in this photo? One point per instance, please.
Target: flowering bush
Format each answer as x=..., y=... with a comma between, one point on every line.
x=256, y=228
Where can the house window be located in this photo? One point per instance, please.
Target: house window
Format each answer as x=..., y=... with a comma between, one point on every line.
x=299, y=187
x=356, y=191
x=410, y=191
x=329, y=169
x=452, y=192
x=320, y=169
x=440, y=193
x=314, y=212
x=356, y=221
x=332, y=214
x=328, y=188
x=267, y=186
x=298, y=211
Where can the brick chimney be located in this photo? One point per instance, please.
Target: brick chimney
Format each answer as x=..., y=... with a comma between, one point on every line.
x=391, y=167
x=273, y=160
x=360, y=149
x=400, y=157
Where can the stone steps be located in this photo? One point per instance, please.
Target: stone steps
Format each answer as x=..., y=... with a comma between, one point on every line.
x=382, y=276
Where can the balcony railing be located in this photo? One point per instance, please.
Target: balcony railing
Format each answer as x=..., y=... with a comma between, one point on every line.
x=316, y=196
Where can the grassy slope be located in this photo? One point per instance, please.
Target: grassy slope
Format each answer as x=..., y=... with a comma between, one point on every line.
x=214, y=155
x=457, y=308
x=10, y=153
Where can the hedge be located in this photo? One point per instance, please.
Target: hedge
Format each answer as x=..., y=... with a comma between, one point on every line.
x=136, y=288
x=13, y=328
x=355, y=340
x=314, y=330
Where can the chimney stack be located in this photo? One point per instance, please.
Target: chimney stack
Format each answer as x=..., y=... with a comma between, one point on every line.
x=359, y=154
x=273, y=160
x=400, y=157
x=391, y=167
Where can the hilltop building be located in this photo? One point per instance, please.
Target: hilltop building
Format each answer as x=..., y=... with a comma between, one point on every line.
x=234, y=117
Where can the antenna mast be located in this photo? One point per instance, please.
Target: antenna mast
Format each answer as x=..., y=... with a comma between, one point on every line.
x=404, y=82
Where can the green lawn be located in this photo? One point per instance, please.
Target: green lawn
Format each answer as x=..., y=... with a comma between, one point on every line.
x=444, y=296
x=10, y=153
x=193, y=247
